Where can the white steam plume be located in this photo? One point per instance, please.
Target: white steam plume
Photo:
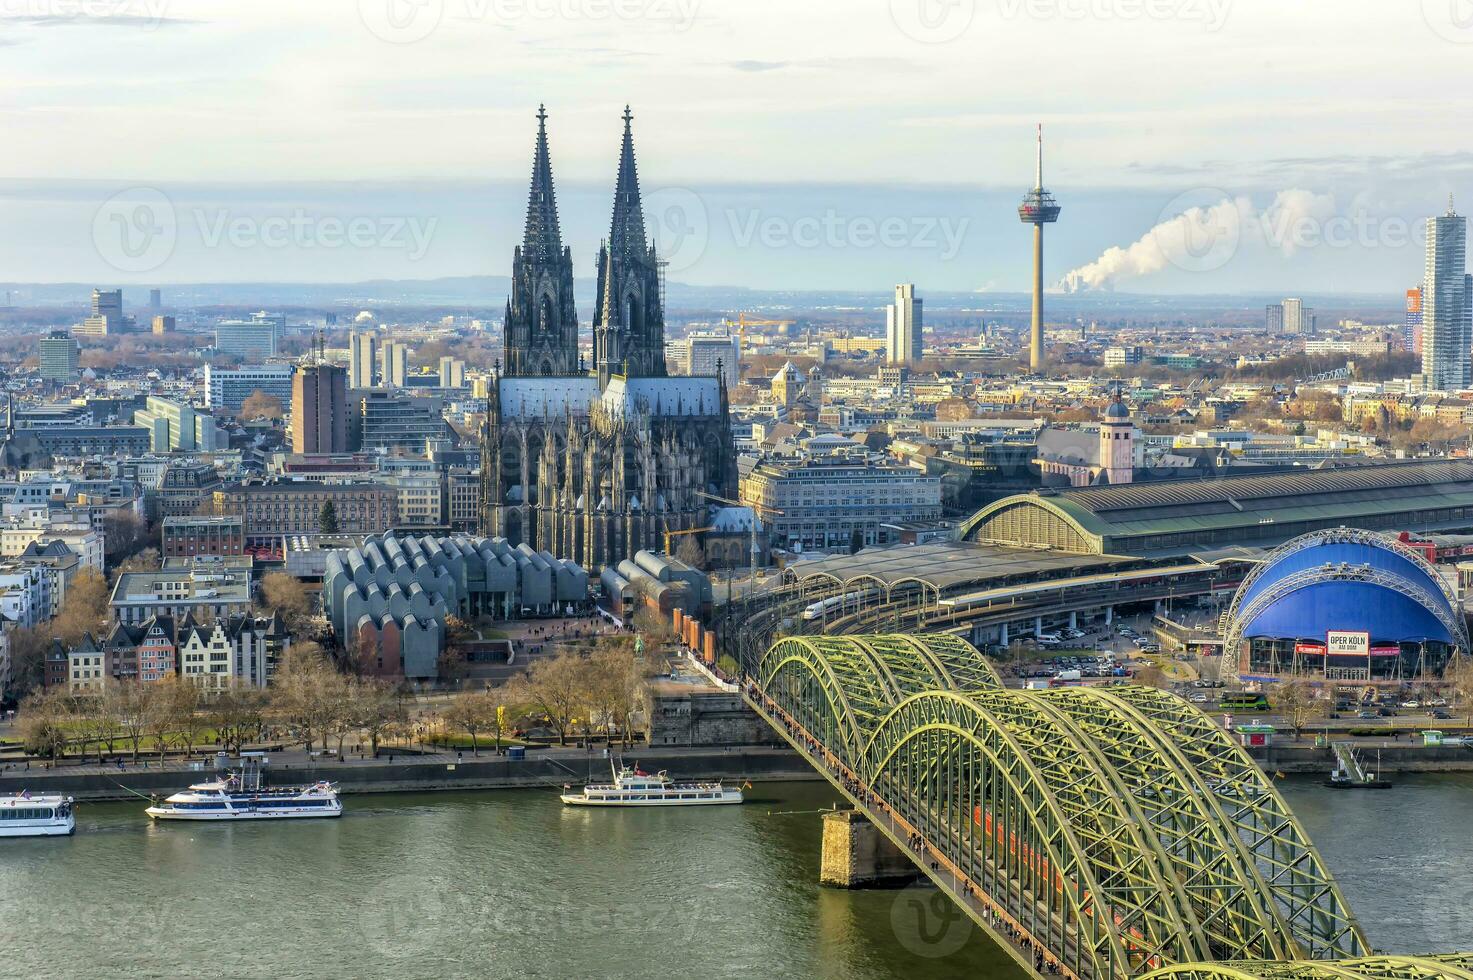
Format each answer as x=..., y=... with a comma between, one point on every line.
x=1205, y=237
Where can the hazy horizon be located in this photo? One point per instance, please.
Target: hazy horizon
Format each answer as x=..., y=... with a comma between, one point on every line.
x=349, y=140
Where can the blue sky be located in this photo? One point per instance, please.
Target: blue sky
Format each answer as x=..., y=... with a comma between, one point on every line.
x=827, y=143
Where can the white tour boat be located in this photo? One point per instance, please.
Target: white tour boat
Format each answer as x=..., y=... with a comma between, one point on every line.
x=634, y=787
x=240, y=796
x=24, y=815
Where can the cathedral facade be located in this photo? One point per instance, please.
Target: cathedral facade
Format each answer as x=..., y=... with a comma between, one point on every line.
x=595, y=465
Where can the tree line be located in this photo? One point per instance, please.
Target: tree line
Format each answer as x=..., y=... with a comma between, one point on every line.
x=313, y=703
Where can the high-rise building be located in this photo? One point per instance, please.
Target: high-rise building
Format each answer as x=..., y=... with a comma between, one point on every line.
x=709, y=354
x=177, y=425
x=228, y=390
x=155, y=300
x=1273, y=318
x=1411, y=340
x=452, y=372
x=360, y=360
x=58, y=355
x=903, y=326
x=1447, y=304
x=320, y=410
x=107, y=315
x=392, y=420
x=163, y=324
x=250, y=340
x=1298, y=318
x=393, y=370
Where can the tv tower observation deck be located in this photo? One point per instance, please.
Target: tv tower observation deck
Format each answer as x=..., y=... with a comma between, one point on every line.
x=1038, y=209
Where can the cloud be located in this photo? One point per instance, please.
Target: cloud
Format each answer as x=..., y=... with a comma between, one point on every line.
x=96, y=20
x=759, y=65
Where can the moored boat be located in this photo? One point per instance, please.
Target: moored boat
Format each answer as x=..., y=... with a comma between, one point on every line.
x=243, y=796
x=25, y=815
x=635, y=787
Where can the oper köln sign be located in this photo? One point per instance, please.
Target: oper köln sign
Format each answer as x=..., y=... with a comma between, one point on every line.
x=1348, y=643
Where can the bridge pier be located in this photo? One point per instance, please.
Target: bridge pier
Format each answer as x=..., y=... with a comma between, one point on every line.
x=1074, y=620
x=1109, y=615
x=856, y=855
x=1002, y=633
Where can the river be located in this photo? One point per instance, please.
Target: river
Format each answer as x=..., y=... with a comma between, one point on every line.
x=511, y=884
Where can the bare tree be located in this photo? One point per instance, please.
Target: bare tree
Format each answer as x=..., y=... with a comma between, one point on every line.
x=690, y=551
x=1296, y=701
x=85, y=608
x=238, y=714
x=614, y=681
x=45, y=719
x=376, y=709
x=556, y=687
x=136, y=703
x=1459, y=679
x=286, y=594
x=472, y=712
x=258, y=404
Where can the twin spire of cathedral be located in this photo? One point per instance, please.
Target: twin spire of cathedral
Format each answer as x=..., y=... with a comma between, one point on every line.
x=629, y=318
x=543, y=239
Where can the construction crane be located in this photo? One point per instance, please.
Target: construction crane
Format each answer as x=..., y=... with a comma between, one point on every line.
x=758, y=510
x=675, y=534
x=742, y=322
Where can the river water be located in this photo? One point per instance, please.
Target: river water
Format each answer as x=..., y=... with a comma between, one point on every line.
x=512, y=884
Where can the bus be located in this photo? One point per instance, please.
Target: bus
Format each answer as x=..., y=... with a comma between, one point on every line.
x=1244, y=701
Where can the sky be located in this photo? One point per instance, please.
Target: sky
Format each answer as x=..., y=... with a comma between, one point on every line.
x=835, y=144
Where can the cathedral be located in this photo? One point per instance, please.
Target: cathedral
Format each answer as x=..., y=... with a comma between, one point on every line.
x=596, y=465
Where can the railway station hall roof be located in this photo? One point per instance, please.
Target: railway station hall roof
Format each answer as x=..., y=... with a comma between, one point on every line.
x=944, y=566
x=1196, y=515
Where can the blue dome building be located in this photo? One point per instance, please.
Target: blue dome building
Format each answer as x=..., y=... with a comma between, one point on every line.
x=1344, y=604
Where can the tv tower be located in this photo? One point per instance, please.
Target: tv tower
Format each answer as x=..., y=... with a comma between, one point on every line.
x=1038, y=209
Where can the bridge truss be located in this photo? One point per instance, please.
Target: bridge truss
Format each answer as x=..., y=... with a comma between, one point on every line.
x=1453, y=966
x=1119, y=831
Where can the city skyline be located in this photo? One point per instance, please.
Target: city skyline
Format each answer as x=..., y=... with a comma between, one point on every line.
x=765, y=153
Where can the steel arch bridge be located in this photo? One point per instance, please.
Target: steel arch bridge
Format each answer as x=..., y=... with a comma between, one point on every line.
x=1454, y=966
x=1114, y=832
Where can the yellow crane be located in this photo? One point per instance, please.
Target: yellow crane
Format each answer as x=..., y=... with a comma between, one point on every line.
x=742, y=322
x=675, y=534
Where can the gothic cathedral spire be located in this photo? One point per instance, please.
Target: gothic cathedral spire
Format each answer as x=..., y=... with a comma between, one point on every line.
x=542, y=238
x=626, y=236
x=541, y=320
x=629, y=324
